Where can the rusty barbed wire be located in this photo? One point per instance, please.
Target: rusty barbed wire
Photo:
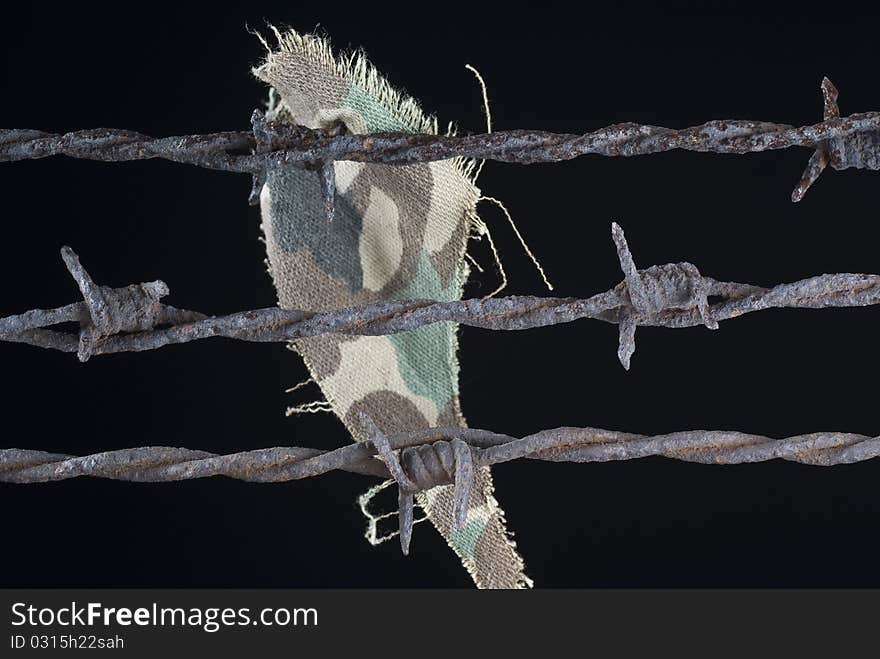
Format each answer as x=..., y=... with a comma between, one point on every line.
x=434, y=456
x=133, y=318
x=670, y=295
x=841, y=142
x=673, y=295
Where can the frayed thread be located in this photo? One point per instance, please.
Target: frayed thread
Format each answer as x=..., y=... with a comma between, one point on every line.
x=299, y=386
x=480, y=230
x=522, y=241
x=315, y=407
x=372, y=532
x=486, y=109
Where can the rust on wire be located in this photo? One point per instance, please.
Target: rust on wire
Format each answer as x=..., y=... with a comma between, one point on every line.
x=671, y=295
x=841, y=142
x=133, y=318
x=414, y=472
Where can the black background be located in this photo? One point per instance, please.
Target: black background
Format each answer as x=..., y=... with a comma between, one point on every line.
x=185, y=69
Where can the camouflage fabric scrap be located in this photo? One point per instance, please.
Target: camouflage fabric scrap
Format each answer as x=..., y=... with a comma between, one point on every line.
x=399, y=232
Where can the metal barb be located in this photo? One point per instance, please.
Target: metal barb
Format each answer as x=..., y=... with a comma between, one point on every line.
x=820, y=158
x=422, y=468
x=829, y=100
x=655, y=291
x=262, y=144
x=405, y=487
x=95, y=302
x=860, y=149
x=327, y=176
x=111, y=311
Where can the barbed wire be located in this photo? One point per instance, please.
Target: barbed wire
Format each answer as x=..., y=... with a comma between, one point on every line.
x=673, y=295
x=670, y=295
x=428, y=459
x=841, y=142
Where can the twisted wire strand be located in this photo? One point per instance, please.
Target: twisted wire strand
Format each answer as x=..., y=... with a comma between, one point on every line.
x=227, y=151
x=564, y=444
x=672, y=295
x=434, y=457
x=842, y=142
